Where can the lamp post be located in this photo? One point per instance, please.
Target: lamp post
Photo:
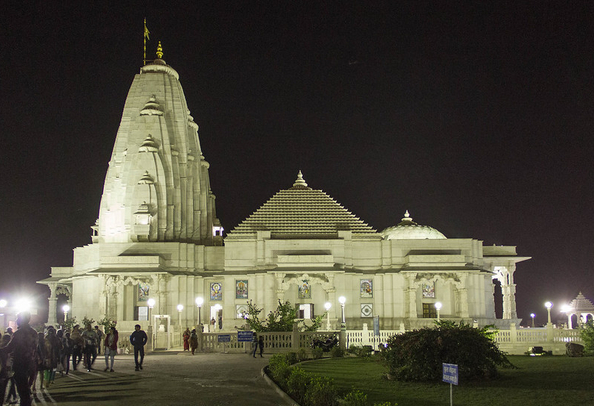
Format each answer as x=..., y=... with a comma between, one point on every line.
x=65, y=309
x=327, y=306
x=548, y=305
x=567, y=310
x=533, y=316
x=151, y=304
x=342, y=301
x=438, y=306
x=199, y=302
x=180, y=308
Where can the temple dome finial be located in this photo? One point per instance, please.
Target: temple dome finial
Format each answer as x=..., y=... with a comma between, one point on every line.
x=300, y=182
x=159, y=51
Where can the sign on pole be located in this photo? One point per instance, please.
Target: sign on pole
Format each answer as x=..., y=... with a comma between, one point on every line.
x=450, y=375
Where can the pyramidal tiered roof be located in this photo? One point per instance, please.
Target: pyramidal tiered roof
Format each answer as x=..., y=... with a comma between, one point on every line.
x=302, y=212
x=581, y=304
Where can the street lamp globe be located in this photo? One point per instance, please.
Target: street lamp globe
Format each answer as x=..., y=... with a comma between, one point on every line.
x=548, y=305
x=151, y=303
x=533, y=316
x=199, y=301
x=3, y=303
x=342, y=300
x=438, y=306
x=180, y=307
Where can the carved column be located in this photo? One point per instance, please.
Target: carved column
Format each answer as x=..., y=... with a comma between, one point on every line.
x=53, y=305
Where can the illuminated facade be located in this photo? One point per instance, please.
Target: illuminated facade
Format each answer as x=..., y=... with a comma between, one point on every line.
x=158, y=237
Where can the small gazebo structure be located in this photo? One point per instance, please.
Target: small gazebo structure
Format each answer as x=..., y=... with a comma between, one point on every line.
x=582, y=308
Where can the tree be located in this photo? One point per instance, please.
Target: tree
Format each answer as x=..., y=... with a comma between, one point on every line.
x=281, y=319
x=418, y=355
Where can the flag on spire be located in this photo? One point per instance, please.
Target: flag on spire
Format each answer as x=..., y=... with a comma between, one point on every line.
x=146, y=31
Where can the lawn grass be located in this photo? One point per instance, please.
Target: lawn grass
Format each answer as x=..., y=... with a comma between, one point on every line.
x=541, y=381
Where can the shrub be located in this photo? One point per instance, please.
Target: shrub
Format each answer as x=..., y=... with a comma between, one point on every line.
x=279, y=369
x=355, y=398
x=353, y=349
x=418, y=355
x=321, y=392
x=336, y=352
x=302, y=354
x=297, y=384
x=365, y=351
x=292, y=358
x=587, y=336
x=317, y=353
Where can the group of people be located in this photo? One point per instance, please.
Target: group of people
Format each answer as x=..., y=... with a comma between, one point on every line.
x=190, y=340
x=26, y=356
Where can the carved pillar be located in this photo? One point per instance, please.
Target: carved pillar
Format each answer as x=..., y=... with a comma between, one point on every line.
x=112, y=297
x=53, y=305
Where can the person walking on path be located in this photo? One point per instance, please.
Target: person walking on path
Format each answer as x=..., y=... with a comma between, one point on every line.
x=186, y=337
x=111, y=348
x=22, y=346
x=90, y=349
x=261, y=345
x=67, y=345
x=53, y=347
x=193, y=340
x=138, y=339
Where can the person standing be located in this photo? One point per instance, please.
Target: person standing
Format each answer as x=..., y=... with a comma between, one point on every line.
x=138, y=339
x=99, y=341
x=186, y=337
x=78, y=344
x=193, y=340
x=254, y=345
x=261, y=345
x=90, y=349
x=22, y=346
x=111, y=347
x=213, y=322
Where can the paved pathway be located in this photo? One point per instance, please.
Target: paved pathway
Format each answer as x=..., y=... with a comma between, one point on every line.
x=169, y=378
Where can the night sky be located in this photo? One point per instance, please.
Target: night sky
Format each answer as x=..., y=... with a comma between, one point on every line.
x=477, y=118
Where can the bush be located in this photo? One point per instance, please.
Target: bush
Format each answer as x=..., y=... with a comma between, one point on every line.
x=365, y=351
x=317, y=353
x=418, y=355
x=355, y=398
x=587, y=336
x=353, y=349
x=292, y=358
x=279, y=369
x=297, y=384
x=321, y=392
x=336, y=352
x=302, y=354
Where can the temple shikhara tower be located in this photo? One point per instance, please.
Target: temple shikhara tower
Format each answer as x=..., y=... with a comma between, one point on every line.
x=158, y=244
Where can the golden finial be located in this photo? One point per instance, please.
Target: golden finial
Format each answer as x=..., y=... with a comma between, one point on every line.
x=159, y=51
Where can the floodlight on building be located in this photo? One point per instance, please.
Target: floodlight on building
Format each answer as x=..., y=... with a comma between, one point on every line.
x=438, y=307
x=22, y=305
x=3, y=303
x=548, y=305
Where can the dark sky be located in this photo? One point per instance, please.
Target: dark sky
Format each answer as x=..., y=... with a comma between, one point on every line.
x=477, y=118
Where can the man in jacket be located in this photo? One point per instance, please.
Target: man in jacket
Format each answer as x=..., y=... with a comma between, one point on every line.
x=138, y=339
x=23, y=346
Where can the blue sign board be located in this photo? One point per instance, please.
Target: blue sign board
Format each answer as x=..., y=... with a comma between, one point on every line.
x=450, y=373
x=224, y=338
x=245, y=336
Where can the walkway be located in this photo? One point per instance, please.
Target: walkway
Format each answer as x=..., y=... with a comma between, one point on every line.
x=168, y=378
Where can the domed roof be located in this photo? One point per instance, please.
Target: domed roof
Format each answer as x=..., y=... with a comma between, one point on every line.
x=407, y=229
